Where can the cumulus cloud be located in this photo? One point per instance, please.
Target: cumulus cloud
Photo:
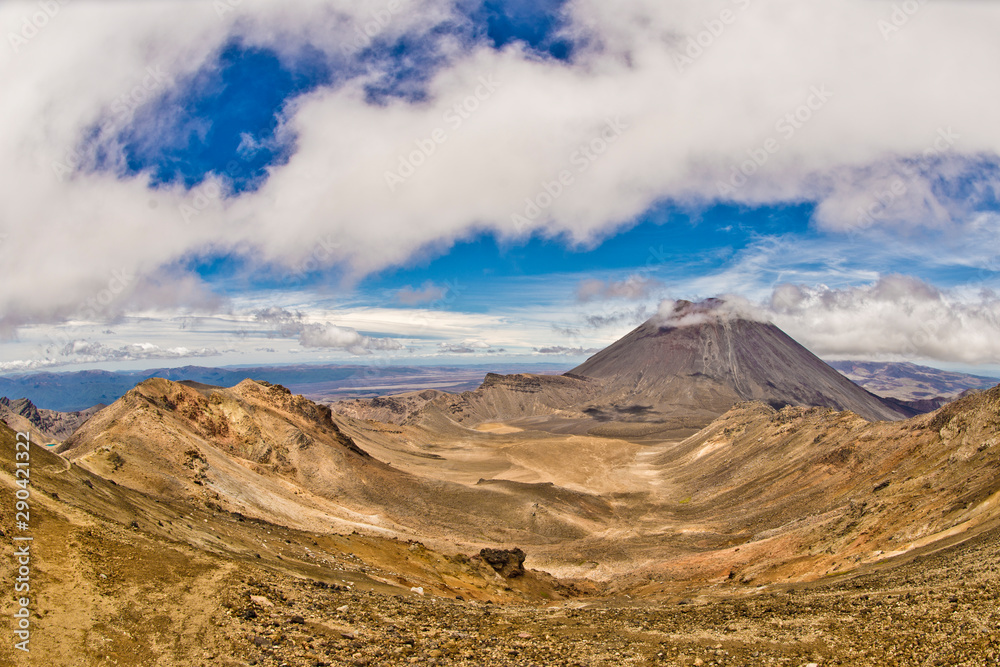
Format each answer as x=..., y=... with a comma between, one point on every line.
x=896, y=317
x=287, y=324
x=633, y=288
x=344, y=338
x=809, y=120
x=283, y=322
x=83, y=351
x=468, y=346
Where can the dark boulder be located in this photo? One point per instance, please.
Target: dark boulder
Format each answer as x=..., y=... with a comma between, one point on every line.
x=508, y=562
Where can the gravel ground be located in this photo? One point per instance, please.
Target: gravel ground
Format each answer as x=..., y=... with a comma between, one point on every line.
x=940, y=609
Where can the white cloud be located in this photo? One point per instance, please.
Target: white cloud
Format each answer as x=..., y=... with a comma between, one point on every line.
x=429, y=293
x=90, y=352
x=468, y=346
x=898, y=317
x=27, y=365
x=671, y=313
x=687, y=129
x=282, y=322
x=633, y=288
x=567, y=351
x=892, y=317
x=286, y=324
x=83, y=351
x=343, y=338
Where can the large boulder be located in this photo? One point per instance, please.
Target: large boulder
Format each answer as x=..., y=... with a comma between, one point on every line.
x=508, y=562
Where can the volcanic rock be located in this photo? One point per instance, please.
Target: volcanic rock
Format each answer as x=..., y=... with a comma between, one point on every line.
x=705, y=356
x=45, y=426
x=508, y=562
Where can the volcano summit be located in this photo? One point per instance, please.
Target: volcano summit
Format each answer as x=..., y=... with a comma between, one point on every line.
x=706, y=357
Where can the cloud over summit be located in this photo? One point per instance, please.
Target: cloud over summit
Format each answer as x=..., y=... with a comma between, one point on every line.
x=684, y=313
x=895, y=317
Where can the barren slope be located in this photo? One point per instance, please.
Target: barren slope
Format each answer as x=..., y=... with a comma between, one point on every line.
x=805, y=492
x=258, y=450
x=760, y=494
x=910, y=382
x=120, y=577
x=46, y=426
x=184, y=585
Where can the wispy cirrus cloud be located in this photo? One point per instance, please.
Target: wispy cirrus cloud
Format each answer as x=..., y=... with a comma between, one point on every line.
x=617, y=318
x=632, y=288
x=567, y=351
x=428, y=293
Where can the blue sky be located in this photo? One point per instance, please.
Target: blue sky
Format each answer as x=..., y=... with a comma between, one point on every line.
x=439, y=182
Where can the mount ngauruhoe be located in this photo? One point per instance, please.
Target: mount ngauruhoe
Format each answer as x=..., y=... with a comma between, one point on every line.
x=699, y=358
x=676, y=373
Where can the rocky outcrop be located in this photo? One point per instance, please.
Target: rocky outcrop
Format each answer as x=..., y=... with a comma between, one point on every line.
x=45, y=425
x=509, y=563
x=525, y=383
x=387, y=409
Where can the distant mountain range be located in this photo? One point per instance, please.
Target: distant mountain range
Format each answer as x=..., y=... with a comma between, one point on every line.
x=79, y=390
x=45, y=426
x=909, y=386
x=921, y=386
